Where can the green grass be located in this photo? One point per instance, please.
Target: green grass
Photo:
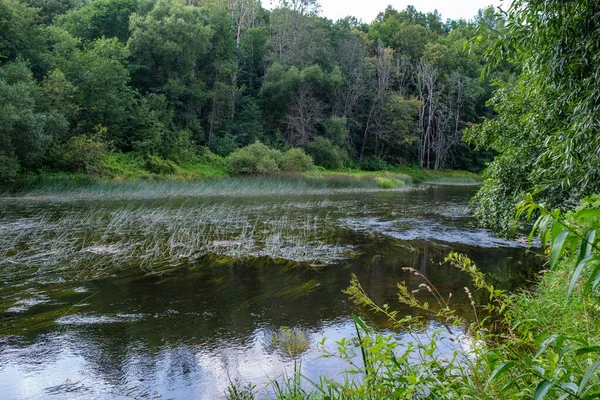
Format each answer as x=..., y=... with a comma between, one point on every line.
x=132, y=166
x=406, y=173
x=131, y=172
x=420, y=175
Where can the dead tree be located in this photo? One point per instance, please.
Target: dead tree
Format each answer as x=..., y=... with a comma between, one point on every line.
x=384, y=69
x=304, y=116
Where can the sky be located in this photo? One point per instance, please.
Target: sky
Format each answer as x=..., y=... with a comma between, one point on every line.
x=367, y=10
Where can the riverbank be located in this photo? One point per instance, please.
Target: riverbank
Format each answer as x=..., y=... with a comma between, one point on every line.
x=130, y=170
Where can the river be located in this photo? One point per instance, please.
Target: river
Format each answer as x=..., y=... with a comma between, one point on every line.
x=175, y=298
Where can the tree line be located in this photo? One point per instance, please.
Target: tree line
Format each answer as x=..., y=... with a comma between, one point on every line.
x=169, y=79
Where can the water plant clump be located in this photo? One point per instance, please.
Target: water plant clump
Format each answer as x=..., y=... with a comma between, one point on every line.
x=292, y=342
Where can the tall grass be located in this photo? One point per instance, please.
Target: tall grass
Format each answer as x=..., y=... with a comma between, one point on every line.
x=287, y=184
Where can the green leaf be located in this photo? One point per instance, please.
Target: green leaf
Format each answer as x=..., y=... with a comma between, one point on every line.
x=594, y=395
x=545, y=343
x=586, y=350
x=499, y=371
x=542, y=389
x=594, y=278
x=543, y=229
x=586, y=244
x=577, y=273
x=557, y=248
x=557, y=228
x=569, y=387
x=587, y=213
x=587, y=376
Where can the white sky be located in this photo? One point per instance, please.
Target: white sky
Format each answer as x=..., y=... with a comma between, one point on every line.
x=367, y=10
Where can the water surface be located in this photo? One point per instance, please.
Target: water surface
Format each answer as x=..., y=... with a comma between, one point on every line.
x=177, y=297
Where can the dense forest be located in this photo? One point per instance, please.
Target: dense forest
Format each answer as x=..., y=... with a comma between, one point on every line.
x=169, y=79
x=173, y=82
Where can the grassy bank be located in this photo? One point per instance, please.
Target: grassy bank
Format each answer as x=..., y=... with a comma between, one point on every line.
x=131, y=170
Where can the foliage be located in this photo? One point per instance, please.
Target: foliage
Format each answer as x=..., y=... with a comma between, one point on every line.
x=326, y=154
x=255, y=159
x=235, y=391
x=547, y=120
x=166, y=78
x=224, y=146
x=388, y=183
x=100, y=18
x=20, y=36
x=336, y=130
x=296, y=160
x=374, y=163
x=86, y=153
x=26, y=127
x=516, y=354
x=157, y=165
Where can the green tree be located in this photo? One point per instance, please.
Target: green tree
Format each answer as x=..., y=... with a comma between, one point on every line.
x=20, y=35
x=168, y=45
x=548, y=120
x=27, y=128
x=108, y=18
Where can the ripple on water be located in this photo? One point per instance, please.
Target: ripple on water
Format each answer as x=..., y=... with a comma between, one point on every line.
x=423, y=229
x=93, y=319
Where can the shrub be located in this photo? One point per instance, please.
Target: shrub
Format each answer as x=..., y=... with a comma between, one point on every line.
x=326, y=154
x=374, y=163
x=157, y=165
x=86, y=154
x=296, y=160
x=205, y=156
x=223, y=146
x=256, y=159
x=388, y=183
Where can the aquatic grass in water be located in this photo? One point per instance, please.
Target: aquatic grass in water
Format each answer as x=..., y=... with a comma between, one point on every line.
x=95, y=242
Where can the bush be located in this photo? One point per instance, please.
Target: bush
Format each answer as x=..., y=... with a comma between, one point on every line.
x=86, y=153
x=326, y=154
x=374, y=163
x=205, y=156
x=296, y=160
x=388, y=183
x=256, y=159
x=157, y=165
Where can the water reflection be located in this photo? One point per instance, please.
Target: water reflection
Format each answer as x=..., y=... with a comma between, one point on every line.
x=188, y=333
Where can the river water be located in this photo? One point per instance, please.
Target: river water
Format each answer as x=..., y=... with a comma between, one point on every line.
x=178, y=297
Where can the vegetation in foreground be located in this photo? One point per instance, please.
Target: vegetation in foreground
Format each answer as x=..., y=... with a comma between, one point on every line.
x=543, y=344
